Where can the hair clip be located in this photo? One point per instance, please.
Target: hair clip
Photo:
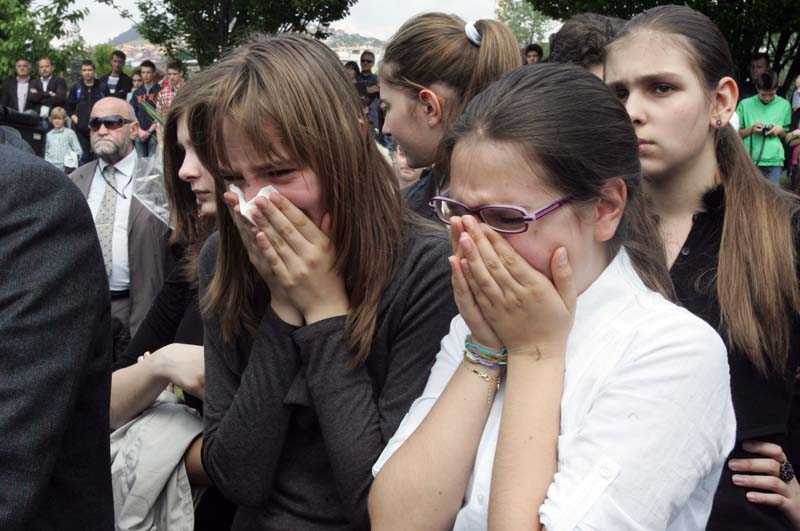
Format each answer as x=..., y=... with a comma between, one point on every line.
x=473, y=34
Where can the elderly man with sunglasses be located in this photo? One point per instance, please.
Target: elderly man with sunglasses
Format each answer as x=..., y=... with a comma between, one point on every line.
x=134, y=242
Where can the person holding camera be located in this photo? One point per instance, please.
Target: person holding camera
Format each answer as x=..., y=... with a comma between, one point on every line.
x=765, y=120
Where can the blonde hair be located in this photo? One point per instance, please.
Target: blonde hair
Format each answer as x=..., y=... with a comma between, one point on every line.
x=297, y=85
x=58, y=112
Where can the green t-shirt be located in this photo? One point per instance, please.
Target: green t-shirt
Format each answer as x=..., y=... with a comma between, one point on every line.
x=779, y=112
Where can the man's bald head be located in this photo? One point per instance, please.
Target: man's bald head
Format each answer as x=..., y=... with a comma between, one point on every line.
x=112, y=138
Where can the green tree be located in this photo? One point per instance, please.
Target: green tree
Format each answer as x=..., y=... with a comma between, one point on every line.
x=205, y=29
x=30, y=31
x=748, y=25
x=528, y=24
x=101, y=55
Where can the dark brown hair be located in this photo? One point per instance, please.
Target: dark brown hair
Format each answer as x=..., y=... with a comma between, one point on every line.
x=188, y=228
x=530, y=110
x=298, y=86
x=768, y=81
x=756, y=276
x=582, y=40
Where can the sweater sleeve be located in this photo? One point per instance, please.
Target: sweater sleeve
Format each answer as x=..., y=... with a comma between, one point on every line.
x=74, y=144
x=245, y=420
x=357, y=419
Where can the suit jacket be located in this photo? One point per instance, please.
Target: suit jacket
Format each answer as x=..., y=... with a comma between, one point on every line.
x=55, y=366
x=149, y=258
x=39, y=98
x=124, y=86
x=9, y=94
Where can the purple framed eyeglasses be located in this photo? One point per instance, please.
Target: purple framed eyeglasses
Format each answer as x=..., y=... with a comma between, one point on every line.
x=507, y=219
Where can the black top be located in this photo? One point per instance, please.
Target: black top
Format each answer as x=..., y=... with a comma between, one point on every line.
x=81, y=99
x=761, y=404
x=291, y=430
x=173, y=318
x=418, y=195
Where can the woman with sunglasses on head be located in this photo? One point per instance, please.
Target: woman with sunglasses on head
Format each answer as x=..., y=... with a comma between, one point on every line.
x=431, y=68
x=562, y=397
x=731, y=240
x=168, y=346
x=323, y=302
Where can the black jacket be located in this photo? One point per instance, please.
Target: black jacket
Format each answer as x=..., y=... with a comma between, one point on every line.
x=124, y=86
x=82, y=98
x=55, y=467
x=8, y=95
x=54, y=96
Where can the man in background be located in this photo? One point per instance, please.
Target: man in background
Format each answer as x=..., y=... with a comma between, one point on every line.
x=118, y=82
x=47, y=92
x=16, y=90
x=80, y=100
x=146, y=96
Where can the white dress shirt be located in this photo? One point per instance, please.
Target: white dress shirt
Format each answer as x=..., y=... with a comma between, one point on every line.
x=44, y=112
x=646, y=415
x=119, y=280
x=22, y=93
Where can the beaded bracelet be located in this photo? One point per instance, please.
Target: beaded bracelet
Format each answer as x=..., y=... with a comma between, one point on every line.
x=475, y=353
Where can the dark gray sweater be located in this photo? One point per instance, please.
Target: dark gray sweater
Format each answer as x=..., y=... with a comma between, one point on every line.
x=291, y=432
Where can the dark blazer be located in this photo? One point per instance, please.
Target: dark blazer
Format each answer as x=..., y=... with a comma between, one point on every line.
x=149, y=258
x=9, y=94
x=55, y=96
x=124, y=86
x=55, y=367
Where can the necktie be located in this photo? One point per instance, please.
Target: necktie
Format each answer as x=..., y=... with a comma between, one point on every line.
x=105, y=217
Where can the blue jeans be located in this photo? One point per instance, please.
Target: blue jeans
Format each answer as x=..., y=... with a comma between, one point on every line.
x=773, y=173
x=146, y=148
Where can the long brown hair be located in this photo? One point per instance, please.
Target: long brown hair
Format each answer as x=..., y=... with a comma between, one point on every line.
x=188, y=228
x=756, y=280
x=298, y=86
x=434, y=48
x=530, y=110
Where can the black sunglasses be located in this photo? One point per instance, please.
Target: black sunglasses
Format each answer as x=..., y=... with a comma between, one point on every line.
x=115, y=121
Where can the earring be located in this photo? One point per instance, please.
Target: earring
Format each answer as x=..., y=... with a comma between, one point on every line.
x=719, y=122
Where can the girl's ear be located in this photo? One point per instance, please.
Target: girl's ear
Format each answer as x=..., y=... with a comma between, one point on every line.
x=432, y=107
x=609, y=209
x=725, y=97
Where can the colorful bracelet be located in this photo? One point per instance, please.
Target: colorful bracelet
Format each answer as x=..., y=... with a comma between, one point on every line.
x=478, y=354
x=494, y=381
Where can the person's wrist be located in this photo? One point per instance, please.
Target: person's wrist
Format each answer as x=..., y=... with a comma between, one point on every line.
x=538, y=352
x=325, y=311
x=161, y=365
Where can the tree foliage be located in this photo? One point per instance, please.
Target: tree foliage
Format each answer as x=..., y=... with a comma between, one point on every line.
x=528, y=24
x=749, y=25
x=205, y=29
x=46, y=29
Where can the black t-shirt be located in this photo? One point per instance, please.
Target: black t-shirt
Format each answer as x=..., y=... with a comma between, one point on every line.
x=762, y=405
x=364, y=81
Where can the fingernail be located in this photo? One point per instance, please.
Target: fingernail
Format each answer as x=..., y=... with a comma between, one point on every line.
x=751, y=496
x=748, y=445
x=736, y=478
x=734, y=464
x=465, y=266
x=562, y=256
x=466, y=244
x=468, y=222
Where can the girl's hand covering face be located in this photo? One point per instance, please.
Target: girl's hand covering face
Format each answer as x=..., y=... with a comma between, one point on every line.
x=529, y=314
x=247, y=232
x=482, y=333
x=301, y=257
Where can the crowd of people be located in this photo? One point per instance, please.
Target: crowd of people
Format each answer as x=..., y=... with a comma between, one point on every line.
x=417, y=295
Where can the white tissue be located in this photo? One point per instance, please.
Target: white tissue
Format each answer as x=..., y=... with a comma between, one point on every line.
x=247, y=207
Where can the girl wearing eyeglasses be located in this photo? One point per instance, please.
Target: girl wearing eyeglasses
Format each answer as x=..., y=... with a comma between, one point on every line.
x=323, y=312
x=570, y=392
x=431, y=68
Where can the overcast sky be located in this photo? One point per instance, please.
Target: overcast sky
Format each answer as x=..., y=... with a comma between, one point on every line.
x=372, y=18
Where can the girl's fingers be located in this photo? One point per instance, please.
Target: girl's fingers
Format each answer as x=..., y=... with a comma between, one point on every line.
x=768, y=483
x=516, y=266
x=273, y=259
x=477, y=269
x=493, y=263
x=482, y=301
x=769, y=467
x=763, y=498
x=268, y=214
x=561, y=270
x=297, y=219
x=764, y=448
x=456, y=228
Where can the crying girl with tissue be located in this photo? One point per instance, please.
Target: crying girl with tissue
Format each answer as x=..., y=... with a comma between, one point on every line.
x=324, y=300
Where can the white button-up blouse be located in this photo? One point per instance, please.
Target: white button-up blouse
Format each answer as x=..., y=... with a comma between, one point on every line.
x=646, y=415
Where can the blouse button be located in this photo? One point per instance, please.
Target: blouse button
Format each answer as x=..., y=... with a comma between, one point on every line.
x=606, y=472
x=685, y=251
x=480, y=499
